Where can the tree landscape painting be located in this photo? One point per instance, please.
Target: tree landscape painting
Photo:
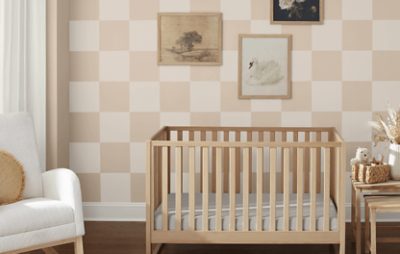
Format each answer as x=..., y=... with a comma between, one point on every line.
x=189, y=38
x=264, y=67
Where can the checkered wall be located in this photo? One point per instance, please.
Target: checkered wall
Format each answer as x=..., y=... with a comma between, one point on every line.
x=343, y=71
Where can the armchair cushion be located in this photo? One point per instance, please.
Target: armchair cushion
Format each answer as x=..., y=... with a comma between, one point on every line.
x=34, y=214
x=18, y=138
x=33, y=222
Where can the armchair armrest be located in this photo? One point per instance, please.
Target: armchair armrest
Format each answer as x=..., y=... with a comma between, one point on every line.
x=63, y=185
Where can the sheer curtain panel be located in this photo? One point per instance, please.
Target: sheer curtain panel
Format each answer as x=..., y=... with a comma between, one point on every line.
x=23, y=62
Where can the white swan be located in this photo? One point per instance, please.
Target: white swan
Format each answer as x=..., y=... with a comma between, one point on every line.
x=264, y=72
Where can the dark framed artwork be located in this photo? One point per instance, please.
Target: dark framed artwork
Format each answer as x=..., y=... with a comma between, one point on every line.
x=297, y=11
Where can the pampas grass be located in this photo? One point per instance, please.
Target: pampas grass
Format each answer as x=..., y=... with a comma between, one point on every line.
x=387, y=128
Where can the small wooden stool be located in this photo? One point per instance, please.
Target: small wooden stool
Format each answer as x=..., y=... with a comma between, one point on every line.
x=382, y=204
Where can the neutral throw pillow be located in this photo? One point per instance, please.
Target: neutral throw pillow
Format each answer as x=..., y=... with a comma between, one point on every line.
x=12, y=178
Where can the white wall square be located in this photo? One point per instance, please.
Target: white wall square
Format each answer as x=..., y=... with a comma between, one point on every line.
x=386, y=35
x=236, y=9
x=357, y=9
x=296, y=119
x=174, y=73
x=145, y=97
x=235, y=119
x=265, y=27
x=114, y=127
x=114, y=66
x=327, y=36
x=355, y=127
x=84, y=97
x=83, y=35
x=357, y=65
x=114, y=9
x=229, y=68
x=301, y=66
x=205, y=97
x=384, y=93
x=326, y=96
x=266, y=105
x=174, y=119
x=143, y=35
x=138, y=157
x=174, y=5
x=115, y=187
x=84, y=157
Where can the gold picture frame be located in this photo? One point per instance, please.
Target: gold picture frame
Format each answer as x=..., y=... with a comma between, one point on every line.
x=265, y=66
x=190, y=38
x=320, y=10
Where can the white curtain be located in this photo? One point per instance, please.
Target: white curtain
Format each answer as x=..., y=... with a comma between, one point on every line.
x=23, y=62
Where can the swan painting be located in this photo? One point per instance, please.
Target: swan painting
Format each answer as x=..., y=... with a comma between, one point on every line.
x=264, y=72
x=264, y=66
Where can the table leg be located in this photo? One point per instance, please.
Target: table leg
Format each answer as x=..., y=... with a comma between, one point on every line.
x=353, y=222
x=358, y=221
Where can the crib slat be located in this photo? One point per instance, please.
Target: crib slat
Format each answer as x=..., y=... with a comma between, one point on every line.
x=283, y=138
x=307, y=164
x=192, y=189
x=246, y=188
x=249, y=139
x=203, y=137
x=327, y=173
x=237, y=138
x=313, y=188
x=178, y=189
x=272, y=191
x=300, y=189
x=318, y=139
x=294, y=162
x=226, y=163
x=260, y=165
x=205, y=187
x=218, y=226
x=214, y=161
x=164, y=169
x=232, y=189
x=286, y=178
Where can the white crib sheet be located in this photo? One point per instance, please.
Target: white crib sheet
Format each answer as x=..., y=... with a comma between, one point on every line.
x=252, y=212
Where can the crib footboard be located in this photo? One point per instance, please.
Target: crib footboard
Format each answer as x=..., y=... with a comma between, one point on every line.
x=220, y=185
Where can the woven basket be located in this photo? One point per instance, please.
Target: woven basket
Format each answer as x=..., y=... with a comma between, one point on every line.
x=354, y=172
x=373, y=173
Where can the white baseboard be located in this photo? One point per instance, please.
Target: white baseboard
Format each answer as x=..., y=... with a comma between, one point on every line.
x=97, y=211
x=94, y=211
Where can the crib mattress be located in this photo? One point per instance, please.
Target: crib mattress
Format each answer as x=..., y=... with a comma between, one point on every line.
x=252, y=212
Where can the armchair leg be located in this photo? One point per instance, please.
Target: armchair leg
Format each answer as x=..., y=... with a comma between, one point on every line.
x=78, y=245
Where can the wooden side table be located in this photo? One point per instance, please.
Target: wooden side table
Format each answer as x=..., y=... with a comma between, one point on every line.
x=358, y=192
x=373, y=205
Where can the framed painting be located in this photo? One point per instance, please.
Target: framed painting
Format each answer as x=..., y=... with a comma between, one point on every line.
x=297, y=12
x=265, y=66
x=190, y=38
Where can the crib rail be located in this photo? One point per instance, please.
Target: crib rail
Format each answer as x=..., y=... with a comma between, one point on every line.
x=226, y=171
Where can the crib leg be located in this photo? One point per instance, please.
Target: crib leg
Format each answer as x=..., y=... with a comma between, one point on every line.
x=342, y=248
x=148, y=247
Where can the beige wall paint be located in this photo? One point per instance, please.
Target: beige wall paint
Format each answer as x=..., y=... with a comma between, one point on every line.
x=343, y=72
x=57, y=110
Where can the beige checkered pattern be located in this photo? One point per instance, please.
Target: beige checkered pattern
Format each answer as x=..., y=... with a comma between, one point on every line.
x=343, y=72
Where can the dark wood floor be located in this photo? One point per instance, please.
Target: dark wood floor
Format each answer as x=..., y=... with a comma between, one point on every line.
x=129, y=238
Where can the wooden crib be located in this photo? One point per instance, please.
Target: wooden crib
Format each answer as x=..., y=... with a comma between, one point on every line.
x=234, y=185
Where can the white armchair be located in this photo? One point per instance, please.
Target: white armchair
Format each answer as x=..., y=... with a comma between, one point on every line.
x=50, y=213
